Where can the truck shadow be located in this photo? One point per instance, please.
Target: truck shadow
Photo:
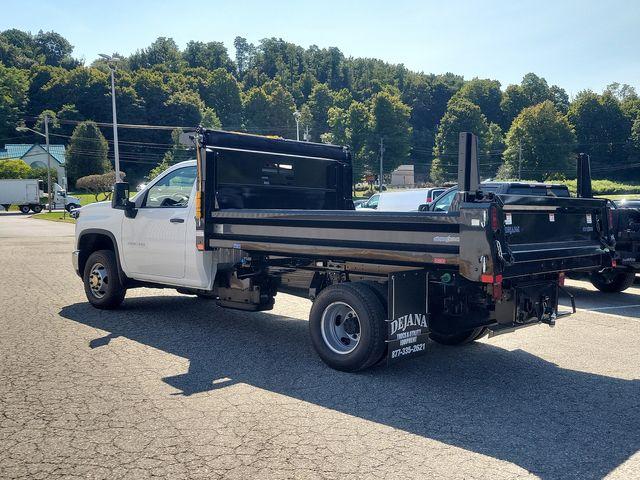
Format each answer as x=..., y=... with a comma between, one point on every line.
x=510, y=405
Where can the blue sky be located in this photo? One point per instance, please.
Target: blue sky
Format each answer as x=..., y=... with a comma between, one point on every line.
x=575, y=44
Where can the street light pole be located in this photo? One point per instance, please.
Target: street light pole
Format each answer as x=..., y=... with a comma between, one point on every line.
x=297, y=115
x=111, y=62
x=46, y=136
x=23, y=128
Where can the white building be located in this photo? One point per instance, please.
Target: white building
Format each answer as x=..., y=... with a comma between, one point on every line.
x=403, y=175
x=35, y=155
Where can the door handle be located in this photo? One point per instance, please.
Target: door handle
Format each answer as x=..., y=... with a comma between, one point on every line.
x=177, y=220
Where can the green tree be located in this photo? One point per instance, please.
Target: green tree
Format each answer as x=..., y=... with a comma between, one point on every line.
x=486, y=94
x=55, y=48
x=184, y=108
x=244, y=54
x=531, y=91
x=41, y=174
x=390, y=122
x=461, y=116
x=601, y=127
x=14, y=84
x=14, y=168
x=87, y=152
x=211, y=55
x=256, y=106
x=163, y=51
x=280, y=113
x=220, y=90
x=320, y=101
x=492, y=149
x=546, y=140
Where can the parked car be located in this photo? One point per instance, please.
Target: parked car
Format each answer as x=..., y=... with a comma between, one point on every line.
x=400, y=200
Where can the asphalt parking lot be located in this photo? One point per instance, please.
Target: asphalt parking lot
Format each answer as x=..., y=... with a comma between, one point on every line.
x=171, y=386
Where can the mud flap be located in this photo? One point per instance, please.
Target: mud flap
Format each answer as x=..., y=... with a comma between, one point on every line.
x=408, y=325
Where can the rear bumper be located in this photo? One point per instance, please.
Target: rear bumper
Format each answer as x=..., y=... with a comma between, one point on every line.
x=75, y=261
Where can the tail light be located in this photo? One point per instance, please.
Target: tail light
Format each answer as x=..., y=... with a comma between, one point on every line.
x=493, y=211
x=561, y=278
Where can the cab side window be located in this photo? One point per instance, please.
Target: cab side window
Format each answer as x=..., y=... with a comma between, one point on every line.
x=443, y=204
x=173, y=190
x=373, y=201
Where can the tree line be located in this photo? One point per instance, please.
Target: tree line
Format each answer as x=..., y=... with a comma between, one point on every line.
x=530, y=130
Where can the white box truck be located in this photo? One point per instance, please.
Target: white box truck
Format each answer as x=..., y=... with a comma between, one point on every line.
x=28, y=195
x=25, y=193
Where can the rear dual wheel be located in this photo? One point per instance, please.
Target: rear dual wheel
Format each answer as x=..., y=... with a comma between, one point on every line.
x=612, y=281
x=347, y=326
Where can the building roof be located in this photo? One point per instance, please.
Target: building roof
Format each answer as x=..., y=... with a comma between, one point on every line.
x=19, y=150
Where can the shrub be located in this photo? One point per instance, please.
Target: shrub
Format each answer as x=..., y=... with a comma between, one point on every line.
x=98, y=184
x=15, y=168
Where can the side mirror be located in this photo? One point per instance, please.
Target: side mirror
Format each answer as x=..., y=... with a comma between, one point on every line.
x=424, y=207
x=120, y=200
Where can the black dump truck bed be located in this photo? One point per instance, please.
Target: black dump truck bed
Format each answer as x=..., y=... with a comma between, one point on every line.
x=280, y=197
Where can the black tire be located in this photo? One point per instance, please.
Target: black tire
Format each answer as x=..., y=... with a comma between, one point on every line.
x=36, y=208
x=102, y=286
x=461, y=338
x=71, y=206
x=611, y=281
x=370, y=314
x=24, y=209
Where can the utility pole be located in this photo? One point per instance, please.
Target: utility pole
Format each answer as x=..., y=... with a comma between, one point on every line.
x=46, y=136
x=111, y=62
x=519, y=161
x=381, y=161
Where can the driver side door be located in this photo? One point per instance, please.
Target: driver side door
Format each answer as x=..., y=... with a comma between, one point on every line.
x=154, y=242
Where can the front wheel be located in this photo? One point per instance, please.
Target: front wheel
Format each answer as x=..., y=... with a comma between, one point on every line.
x=612, y=281
x=101, y=279
x=347, y=326
x=24, y=209
x=71, y=206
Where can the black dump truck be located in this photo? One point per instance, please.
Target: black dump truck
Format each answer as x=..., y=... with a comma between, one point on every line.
x=625, y=231
x=277, y=216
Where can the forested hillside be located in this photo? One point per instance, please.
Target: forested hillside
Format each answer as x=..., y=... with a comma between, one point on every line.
x=531, y=129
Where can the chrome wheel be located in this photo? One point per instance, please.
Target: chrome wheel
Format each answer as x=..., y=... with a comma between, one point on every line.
x=340, y=328
x=98, y=280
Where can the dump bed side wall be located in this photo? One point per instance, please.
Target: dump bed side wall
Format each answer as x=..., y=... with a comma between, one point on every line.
x=403, y=238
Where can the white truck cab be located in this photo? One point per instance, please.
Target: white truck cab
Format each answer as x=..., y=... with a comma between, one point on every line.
x=62, y=200
x=156, y=246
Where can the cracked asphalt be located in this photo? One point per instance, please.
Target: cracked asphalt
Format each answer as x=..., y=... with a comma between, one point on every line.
x=171, y=386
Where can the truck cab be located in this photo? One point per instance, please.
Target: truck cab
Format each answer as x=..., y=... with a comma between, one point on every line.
x=151, y=245
x=63, y=200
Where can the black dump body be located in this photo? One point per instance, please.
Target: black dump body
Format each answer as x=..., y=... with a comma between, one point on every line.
x=626, y=229
x=280, y=197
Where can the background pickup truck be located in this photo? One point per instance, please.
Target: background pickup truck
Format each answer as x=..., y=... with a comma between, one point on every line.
x=254, y=216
